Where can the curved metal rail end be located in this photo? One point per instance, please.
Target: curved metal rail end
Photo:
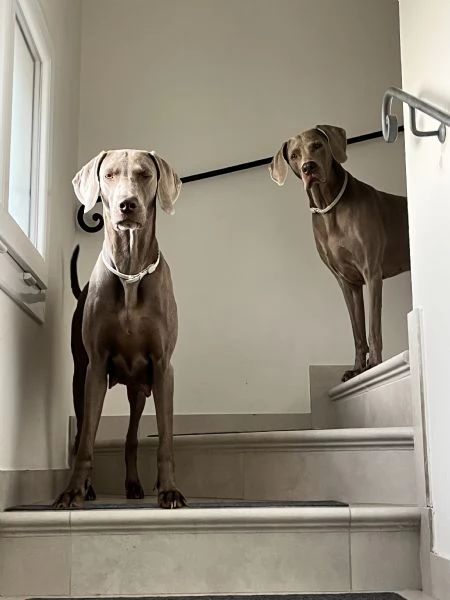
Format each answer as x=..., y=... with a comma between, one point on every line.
x=389, y=121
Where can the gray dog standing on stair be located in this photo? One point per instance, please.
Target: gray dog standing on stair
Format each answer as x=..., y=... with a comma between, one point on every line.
x=361, y=233
x=125, y=325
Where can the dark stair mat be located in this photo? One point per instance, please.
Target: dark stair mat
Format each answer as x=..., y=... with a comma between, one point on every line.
x=197, y=504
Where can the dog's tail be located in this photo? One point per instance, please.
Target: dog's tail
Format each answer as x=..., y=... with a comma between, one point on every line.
x=74, y=283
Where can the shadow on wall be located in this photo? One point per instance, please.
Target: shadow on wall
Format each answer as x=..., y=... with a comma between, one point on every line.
x=34, y=393
x=24, y=361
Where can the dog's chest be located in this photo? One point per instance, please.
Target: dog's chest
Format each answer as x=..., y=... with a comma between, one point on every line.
x=135, y=338
x=135, y=331
x=341, y=254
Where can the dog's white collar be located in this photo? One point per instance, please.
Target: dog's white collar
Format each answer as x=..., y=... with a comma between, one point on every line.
x=322, y=211
x=132, y=278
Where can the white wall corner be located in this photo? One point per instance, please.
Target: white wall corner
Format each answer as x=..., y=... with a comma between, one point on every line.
x=418, y=391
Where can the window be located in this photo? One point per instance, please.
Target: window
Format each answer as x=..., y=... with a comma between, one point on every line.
x=23, y=156
x=25, y=128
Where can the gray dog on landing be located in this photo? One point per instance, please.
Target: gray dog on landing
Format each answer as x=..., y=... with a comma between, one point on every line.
x=361, y=233
x=125, y=325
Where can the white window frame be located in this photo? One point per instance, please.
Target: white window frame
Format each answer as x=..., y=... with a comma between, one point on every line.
x=23, y=267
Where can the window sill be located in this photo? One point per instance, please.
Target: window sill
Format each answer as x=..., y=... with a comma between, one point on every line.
x=21, y=286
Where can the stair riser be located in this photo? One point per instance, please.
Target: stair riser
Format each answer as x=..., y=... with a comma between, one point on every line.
x=354, y=475
x=200, y=557
x=386, y=406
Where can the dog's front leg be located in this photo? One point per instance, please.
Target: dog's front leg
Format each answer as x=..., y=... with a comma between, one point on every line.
x=163, y=384
x=95, y=391
x=133, y=487
x=354, y=300
x=375, y=289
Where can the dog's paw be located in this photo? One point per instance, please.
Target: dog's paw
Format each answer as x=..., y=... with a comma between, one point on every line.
x=350, y=374
x=171, y=499
x=134, y=490
x=69, y=499
x=89, y=492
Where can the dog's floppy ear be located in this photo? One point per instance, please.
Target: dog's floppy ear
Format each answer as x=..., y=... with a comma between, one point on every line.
x=279, y=166
x=337, y=139
x=169, y=184
x=86, y=183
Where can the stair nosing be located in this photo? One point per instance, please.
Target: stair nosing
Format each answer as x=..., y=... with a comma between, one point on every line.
x=393, y=369
x=387, y=438
x=197, y=520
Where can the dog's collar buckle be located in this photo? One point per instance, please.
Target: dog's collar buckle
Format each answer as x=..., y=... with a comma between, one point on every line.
x=132, y=278
x=322, y=211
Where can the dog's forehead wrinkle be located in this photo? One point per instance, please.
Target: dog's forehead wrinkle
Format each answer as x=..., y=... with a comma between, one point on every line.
x=295, y=144
x=127, y=161
x=114, y=160
x=312, y=135
x=140, y=160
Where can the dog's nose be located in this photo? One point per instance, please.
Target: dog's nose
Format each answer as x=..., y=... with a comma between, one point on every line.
x=308, y=167
x=128, y=205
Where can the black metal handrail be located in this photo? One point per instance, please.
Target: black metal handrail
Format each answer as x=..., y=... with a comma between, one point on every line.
x=98, y=218
x=389, y=121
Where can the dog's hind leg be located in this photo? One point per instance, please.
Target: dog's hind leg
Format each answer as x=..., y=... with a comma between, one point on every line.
x=80, y=365
x=78, y=382
x=79, y=376
x=133, y=487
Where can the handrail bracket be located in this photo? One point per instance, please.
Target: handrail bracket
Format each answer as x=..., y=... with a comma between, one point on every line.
x=441, y=132
x=389, y=121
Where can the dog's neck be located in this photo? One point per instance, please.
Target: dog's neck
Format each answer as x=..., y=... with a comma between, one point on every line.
x=322, y=195
x=131, y=251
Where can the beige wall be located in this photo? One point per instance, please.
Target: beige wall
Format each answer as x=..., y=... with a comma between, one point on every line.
x=208, y=84
x=35, y=375
x=425, y=45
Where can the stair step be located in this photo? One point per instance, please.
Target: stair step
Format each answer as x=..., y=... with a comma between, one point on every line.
x=388, y=371
x=379, y=397
x=351, y=465
x=209, y=551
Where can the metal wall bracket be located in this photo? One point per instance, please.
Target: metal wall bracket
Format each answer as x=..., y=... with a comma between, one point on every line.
x=96, y=217
x=389, y=121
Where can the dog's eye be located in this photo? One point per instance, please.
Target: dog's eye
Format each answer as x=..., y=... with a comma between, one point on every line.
x=294, y=156
x=109, y=175
x=317, y=145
